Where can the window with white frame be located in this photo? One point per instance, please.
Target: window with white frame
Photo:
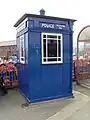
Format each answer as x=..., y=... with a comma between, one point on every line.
x=52, y=48
x=22, y=49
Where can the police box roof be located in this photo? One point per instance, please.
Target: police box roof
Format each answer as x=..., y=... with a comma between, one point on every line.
x=41, y=16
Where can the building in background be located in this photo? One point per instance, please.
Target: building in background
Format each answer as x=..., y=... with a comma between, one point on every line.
x=8, y=48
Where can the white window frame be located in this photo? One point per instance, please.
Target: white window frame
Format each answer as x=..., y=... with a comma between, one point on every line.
x=22, y=57
x=52, y=62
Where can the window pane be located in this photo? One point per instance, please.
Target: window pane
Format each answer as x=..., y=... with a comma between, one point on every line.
x=22, y=52
x=59, y=37
x=59, y=48
x=22, y=49
x=44, y=47
x=44, y=59
x=59, y=59
x=22, y=59
x=44, y=36
x=52, y=48
x=51, y=36
x=52, y=59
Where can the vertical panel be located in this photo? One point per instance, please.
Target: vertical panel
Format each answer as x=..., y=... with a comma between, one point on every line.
x=67, y=48
x=23, y=74
x=34, y=64
x=67, y=66
x=71, y=59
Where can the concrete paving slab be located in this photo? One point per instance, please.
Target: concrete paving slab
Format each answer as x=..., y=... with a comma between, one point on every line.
x=79, y=101
x=81, y=89
x=60, y=109
x=10, y=108
x=81, y=114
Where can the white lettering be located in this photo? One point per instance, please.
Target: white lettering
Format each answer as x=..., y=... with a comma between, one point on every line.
x=53, y=26
x=47, y=25
x=21, y=26
x=60, y=26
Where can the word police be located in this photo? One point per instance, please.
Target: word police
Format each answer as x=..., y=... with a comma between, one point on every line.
x=44, y=25
x=53, y=26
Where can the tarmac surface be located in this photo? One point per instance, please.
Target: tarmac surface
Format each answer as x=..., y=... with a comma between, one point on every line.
x=77, y=108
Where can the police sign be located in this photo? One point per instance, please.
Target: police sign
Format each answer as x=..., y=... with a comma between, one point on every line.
x=52, y=26
x=45, y=25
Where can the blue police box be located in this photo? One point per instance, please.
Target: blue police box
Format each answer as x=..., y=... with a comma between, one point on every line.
x=45, y=46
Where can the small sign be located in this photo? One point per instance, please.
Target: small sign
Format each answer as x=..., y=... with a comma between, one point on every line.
x=45, y=25
x=21, y=26
x=52, y=26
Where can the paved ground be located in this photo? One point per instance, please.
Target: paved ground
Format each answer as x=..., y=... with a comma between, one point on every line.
x=10, y=108
x=84, y=112
x=61, y=109
x=81, y=114
x=81, y=89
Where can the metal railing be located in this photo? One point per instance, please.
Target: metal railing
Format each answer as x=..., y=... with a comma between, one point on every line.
x=9, y=72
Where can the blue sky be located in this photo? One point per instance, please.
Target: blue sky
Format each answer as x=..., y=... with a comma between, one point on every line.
x=12, y=10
